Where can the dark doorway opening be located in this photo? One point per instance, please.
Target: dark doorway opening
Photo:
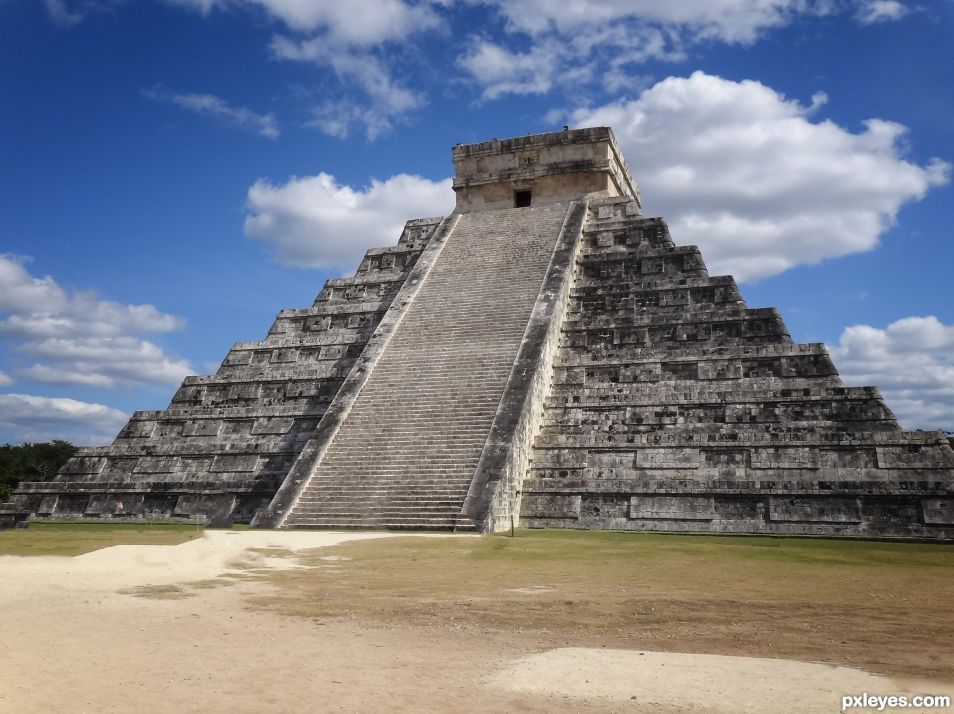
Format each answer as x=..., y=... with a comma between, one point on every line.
x=521, y=199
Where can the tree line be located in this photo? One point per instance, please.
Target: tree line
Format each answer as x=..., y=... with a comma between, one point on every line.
x=31, y=462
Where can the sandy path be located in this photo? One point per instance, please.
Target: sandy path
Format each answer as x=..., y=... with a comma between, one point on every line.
x=76, y=640
x=694, y=682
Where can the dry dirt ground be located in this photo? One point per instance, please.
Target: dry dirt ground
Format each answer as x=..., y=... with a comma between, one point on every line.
x=358, y=622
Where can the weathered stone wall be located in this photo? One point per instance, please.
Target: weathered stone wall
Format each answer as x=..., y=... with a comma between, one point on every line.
x=302, y=471
x=571, y=340
x=224, y=445
x=405, y=453
x=675, y=407
x=493, y=500
x=556, y=168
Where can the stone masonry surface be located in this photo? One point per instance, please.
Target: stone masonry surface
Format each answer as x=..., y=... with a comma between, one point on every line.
x=223, y=446
x=406, y=453
x=564, y=364
x=675, y=407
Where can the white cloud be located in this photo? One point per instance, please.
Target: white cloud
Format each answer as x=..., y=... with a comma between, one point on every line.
x=874, y=11
x=604, y=54
x=501, y=71
x=384, y=98
x=66, y=13
x=603, y=40
x=80, y=338
x=735, y=167
x=25, y=417
x=911, y=360
x=350, y=40
x=211, y=106
x=358, y=22
x=561, y=44
x=61, y=14
x=726, y=20
x=314, y=221
x=21, y=291
x=103, y=362
x=40, y=307
x=751, y=178
x=336, y=118
x=5, y=379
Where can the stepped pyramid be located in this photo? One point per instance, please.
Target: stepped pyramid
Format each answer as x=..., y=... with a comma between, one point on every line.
x=544, y=356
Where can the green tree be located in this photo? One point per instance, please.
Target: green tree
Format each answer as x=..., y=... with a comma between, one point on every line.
x=31, y=462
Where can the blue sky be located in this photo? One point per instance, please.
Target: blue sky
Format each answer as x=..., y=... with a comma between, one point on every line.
x=174, y=172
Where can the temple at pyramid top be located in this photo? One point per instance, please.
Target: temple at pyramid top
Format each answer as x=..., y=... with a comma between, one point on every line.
x=545, y=356
x=539, y=169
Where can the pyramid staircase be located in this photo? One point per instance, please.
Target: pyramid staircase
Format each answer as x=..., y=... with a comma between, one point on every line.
x=224, y=445
x=407, y=451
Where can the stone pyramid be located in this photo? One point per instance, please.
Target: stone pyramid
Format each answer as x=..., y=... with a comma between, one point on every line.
x=544, y=356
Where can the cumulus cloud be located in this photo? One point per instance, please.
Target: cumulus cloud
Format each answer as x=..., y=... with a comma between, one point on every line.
x=753, y=179
x=551, y=43
x=750, y=176
x=601, y=54
x=359, y=22
x=502, y=71
x=603, y=40
x=79, y=338
x=726, y=20
x=39, y=306
x=314, y=221
x=360, y=42
x=874, y=11
x=5, y=379
x=911, y=360
x=25, y=417
x=103, y=362
x=218, y=109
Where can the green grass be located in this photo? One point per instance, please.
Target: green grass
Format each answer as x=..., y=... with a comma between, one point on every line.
x=77, y=538
x=581, y=544
x=887, y=606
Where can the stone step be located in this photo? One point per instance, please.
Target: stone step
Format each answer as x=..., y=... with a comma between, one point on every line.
x=366, y=476
x=372, y=523
x=634, y=354
x=401, y=462
x=376, y=504
x=404, y=448
x=428, y=404
x=400, y=488
x=394, y=498
x=396, y=484
x=358, y=508
x=403, y=437
x=661, y=398
x=337, y=338
x=394, y=480
x=727, y=433
x=402, y=410
x=390, y=497
x=459, y=434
